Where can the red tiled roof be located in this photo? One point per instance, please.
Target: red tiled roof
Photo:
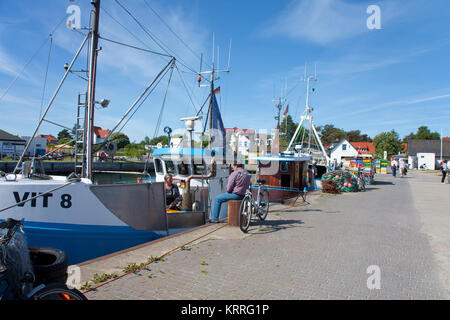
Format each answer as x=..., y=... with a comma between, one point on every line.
x=49, y=137
x=446, y=138
x=364, y=147
x=99, y=132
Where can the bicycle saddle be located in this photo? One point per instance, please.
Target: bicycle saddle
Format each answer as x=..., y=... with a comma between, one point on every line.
x=261, y=181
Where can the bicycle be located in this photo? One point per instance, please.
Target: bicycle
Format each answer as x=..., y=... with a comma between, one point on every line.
x=361, y=179
x=249, y=206
x=16, y=270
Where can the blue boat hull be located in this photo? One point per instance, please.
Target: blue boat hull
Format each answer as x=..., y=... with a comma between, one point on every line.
x=85, y=242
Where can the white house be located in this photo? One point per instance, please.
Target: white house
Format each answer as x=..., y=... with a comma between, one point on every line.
x=10, y=145
x=342, y=149
x=244, y=138
x=37, y=147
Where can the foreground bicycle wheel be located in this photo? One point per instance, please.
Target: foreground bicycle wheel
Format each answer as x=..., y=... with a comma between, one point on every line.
x=58, y=291
x=264, y=205
x=245, y=213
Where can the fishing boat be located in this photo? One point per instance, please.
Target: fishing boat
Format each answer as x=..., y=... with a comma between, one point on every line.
x=299, y=168
x=84, y=219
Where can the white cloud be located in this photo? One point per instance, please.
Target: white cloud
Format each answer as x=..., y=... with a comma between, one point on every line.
x=320, y=21
x=8, y=65
x=327, y=21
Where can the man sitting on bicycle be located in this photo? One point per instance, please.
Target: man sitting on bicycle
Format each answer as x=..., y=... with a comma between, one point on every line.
x=238, y=183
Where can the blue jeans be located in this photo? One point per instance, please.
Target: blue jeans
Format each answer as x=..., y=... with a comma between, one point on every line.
x=394, y=171
x=221, y=198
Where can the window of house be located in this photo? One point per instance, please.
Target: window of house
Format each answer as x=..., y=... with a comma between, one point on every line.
x=344, y=147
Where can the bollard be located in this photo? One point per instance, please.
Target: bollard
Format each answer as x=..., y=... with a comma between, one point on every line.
x=233, y=212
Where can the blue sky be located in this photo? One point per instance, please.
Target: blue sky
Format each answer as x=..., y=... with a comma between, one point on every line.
x=397, y=77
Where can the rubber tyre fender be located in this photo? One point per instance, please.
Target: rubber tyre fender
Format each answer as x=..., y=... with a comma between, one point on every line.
x=58, y=291
x=49, y=264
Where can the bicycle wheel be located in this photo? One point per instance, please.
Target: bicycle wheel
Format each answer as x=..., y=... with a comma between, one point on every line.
x=58, y=291
x=245, y=213
x=263, y=205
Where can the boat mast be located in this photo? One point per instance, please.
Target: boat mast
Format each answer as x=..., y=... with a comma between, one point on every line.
x=87, y=173
x=307, y=116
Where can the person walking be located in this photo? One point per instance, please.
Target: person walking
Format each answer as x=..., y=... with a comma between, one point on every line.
x=238, y=183
x=444, y=169
x=402, y=168
x=394, y=167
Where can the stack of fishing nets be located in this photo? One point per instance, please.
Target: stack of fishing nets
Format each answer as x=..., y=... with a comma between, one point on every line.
x=339, y=181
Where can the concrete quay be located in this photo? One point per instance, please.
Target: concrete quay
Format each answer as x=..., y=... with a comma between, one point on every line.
x=322, y=250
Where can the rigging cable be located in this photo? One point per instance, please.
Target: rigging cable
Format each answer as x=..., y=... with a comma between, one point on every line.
x=155, y=39
x=133, y=47
x=45, y=82
x=171, y=30
x=130, y=32
x=185, y=87
x=158, y=124
x=30, y=60
x=145, y=98
x=142, y=27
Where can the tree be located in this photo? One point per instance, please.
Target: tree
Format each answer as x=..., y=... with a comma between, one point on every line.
x=329, y=134
x=423, y=133
x=291, y=127
x=163, y=139
x=64, y=134
x=356, y=136
x=146, y=140
x=387, y=141
x=121, y=139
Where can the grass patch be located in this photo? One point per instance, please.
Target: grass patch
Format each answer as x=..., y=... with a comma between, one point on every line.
x=104, y=277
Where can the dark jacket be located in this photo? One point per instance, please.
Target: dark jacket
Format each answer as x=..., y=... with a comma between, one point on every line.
x=172, y=194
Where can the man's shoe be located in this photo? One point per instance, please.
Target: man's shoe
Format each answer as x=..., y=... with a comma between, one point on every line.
x=213, y=221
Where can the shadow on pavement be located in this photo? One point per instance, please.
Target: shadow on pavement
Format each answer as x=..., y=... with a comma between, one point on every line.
x=371, y=188
x=268, y=226
x=299, y=210
x=380, y=183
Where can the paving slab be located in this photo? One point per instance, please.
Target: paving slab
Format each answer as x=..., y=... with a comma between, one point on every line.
x=432, y=200
x=321, y=250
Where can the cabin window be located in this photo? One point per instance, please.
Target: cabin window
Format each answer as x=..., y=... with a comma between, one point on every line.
x=170, y=167
x=199, y=168
x=283, y=166
x=183, y=169
x=158, y=166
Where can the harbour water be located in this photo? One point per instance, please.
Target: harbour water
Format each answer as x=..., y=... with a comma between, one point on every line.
x=120, y=178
